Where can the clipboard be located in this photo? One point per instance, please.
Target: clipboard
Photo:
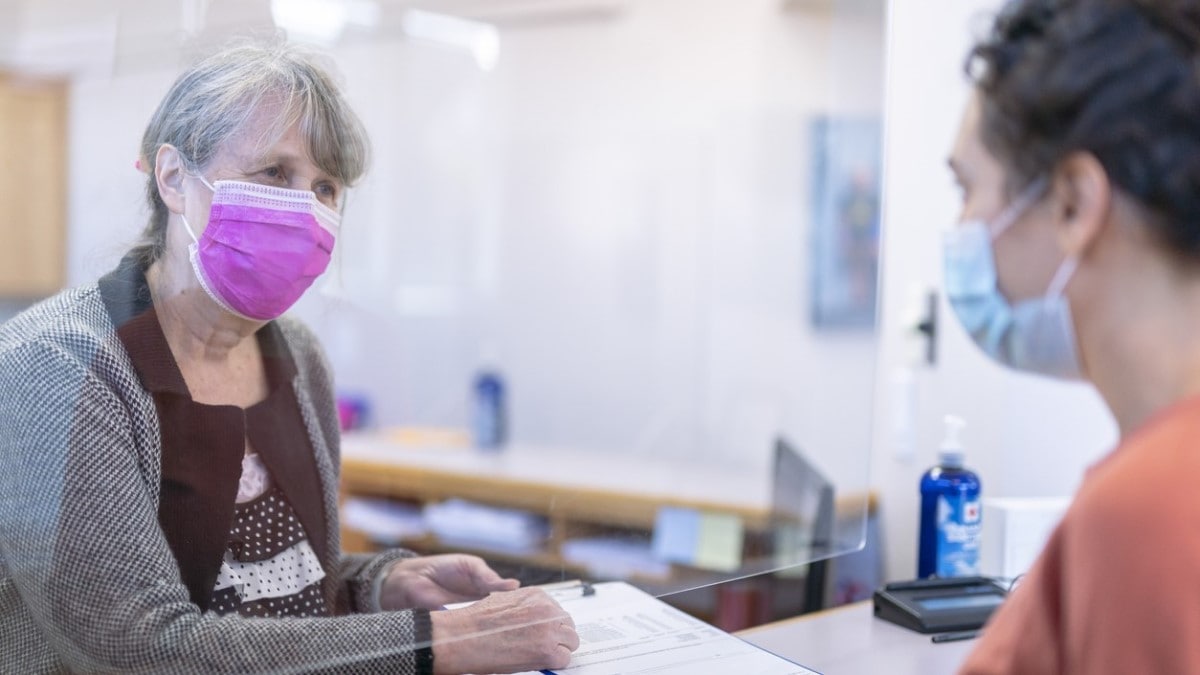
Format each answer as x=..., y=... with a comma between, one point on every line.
x=624, y=629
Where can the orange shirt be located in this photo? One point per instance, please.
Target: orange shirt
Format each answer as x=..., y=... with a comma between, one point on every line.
x=1117, y=588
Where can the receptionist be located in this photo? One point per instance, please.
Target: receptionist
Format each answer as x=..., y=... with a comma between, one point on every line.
x=1078, y=257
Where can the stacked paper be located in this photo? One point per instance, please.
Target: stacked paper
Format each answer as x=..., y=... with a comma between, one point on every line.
x=472, y=525
x=611, y=558
x=384, y=521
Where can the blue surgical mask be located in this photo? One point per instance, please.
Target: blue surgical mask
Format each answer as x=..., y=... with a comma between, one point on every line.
x=1035, y=335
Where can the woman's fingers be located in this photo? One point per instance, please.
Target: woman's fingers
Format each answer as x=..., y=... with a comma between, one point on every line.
x=515, y=631
x=486, y=579
x=571, y=641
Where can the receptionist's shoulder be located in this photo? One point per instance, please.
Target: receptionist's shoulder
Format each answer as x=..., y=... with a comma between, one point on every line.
x=1149, y=474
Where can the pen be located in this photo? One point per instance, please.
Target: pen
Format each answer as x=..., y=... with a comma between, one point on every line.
x=570, y=589
x=955, y=636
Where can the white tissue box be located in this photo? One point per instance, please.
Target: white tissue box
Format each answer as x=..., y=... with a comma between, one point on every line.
x=1015, y=530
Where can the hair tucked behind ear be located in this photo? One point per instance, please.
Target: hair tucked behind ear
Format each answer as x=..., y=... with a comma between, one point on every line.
x=1119, y=79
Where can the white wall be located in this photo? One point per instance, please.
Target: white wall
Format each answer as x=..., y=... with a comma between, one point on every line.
x=106, y=197
x=1026, y=436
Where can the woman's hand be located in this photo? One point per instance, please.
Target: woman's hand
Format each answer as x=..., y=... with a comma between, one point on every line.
x=503, y=633
x=433, y=581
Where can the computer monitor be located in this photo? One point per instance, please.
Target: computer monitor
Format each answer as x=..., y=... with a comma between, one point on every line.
x=802, y=514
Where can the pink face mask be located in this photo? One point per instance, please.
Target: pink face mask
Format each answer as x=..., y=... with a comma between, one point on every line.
x=263, y=247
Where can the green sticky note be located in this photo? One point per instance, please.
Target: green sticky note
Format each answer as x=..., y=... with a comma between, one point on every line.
x=720, y=543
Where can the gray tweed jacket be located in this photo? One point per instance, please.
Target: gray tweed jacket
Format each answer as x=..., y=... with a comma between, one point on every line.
x=88, y=582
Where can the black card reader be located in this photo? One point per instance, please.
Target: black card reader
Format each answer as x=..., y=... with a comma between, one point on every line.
x=939, y=605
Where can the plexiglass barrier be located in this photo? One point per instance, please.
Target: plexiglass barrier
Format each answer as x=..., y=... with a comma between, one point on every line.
x=602, y=308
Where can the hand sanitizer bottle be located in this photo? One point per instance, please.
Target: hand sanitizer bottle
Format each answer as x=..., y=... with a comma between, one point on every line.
x=490, y=410
x=951, y=513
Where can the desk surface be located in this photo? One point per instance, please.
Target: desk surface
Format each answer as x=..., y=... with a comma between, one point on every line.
x=851, y=641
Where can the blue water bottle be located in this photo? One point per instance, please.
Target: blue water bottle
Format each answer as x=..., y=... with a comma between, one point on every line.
x=490, y=414
x=951, y=513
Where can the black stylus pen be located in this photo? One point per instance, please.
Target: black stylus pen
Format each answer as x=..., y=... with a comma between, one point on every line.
x=955, y=636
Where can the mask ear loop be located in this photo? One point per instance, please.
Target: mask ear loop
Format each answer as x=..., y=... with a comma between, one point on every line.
x=1028, y=197
x=188, y=227
x=206, y=183
x=184, y=217
x=1058, y=285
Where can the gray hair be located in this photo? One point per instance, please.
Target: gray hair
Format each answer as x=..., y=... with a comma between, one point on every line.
x=213, y=100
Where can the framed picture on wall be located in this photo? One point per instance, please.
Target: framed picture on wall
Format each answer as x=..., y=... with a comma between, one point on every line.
x=845, y=221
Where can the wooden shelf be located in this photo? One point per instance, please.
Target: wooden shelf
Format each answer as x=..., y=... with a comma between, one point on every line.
x=542, y=559
x=575, y=491
x=607, y=506
x=580, y=494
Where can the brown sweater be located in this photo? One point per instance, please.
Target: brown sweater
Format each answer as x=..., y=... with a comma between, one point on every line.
x=1117, y=588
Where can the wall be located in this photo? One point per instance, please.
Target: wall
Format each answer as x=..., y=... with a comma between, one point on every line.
x=1026, y=436
x=106, y=199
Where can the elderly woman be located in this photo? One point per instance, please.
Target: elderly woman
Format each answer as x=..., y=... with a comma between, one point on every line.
x=1079, y=257
x=169, y=443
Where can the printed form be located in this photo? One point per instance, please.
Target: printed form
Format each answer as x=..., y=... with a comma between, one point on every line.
x=625, y=631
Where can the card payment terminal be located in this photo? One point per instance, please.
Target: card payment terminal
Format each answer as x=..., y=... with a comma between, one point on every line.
x=939, y=605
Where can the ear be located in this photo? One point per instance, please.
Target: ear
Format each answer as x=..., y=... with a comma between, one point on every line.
x=1083, y=198
x=169, y=172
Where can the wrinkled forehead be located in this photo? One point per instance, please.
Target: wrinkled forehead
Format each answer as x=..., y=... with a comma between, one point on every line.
x=280, y=126
x=265, y=123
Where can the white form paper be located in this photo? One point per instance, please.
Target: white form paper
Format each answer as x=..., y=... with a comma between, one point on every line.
x=625, y=631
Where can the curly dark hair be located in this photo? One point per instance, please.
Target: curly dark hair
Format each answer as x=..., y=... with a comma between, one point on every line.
x=1119, y=79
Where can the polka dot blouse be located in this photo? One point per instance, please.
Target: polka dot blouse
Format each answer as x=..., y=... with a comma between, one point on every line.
x=269, y=568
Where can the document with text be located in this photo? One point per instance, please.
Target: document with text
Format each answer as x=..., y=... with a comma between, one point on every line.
x=625, y=631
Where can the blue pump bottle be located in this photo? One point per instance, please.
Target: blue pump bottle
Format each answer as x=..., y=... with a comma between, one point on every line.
x=951, y=512
x=490, y=410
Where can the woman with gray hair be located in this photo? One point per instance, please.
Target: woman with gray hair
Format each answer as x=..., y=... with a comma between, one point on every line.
x=169, y=441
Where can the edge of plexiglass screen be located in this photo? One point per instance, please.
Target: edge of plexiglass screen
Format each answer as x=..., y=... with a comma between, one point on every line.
x=722, y=239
